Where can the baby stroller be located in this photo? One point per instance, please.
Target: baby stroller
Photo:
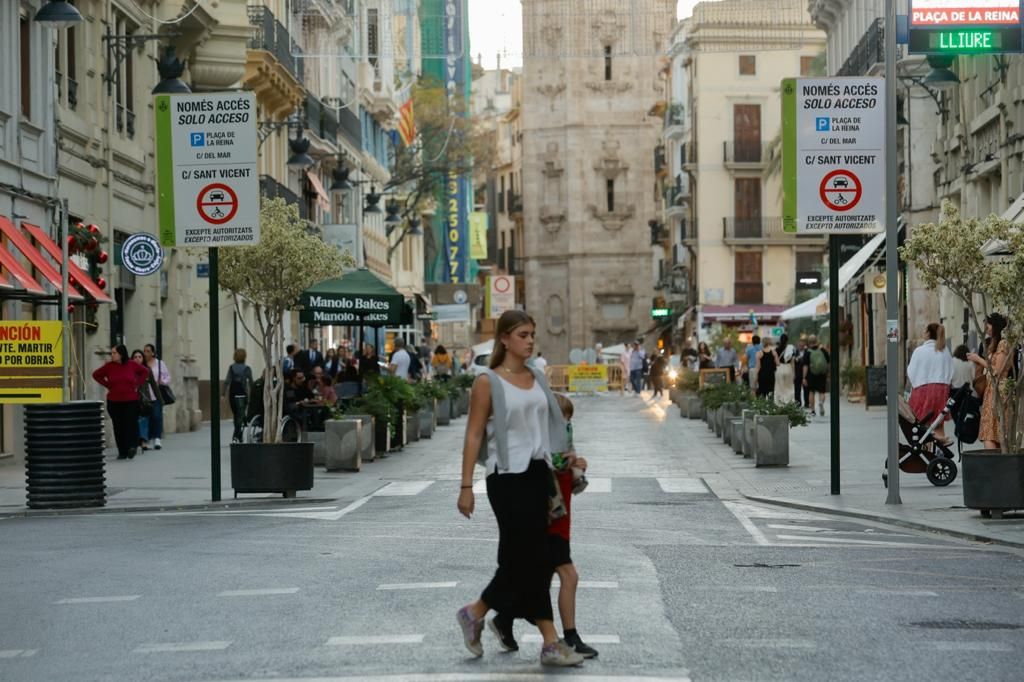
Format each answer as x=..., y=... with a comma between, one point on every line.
x=923, y=453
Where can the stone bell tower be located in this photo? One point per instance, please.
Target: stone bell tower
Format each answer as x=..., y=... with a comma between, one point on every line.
x=591, y=79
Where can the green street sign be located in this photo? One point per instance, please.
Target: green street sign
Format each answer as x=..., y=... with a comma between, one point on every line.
x=660, y=312
x=956, y=27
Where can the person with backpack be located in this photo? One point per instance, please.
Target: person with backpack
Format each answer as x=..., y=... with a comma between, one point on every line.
x=237, y=384
x=814, y=368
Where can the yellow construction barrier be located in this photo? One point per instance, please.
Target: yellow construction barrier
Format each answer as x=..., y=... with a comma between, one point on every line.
x=558, y=377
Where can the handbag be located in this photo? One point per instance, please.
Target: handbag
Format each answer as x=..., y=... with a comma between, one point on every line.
x=980, y=383
x=163, y=390
x=145, y=402
x=166, y=394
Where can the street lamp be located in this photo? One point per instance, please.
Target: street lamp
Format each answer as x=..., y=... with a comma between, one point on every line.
x=940, y=77
x=58, y=14
x=414, y=227
x=372, y=202
x=300, y=159
x=394, y=214
x=341, y=183
x=170, y=69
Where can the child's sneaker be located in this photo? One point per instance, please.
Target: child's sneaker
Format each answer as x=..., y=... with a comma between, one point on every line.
x=559, y=654
x=471, y=628
x=502, y=629
x=579, y=483
x=579, y=647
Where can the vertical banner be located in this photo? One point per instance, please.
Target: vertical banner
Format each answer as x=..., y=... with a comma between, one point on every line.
x=457, y=187
x=478, y=235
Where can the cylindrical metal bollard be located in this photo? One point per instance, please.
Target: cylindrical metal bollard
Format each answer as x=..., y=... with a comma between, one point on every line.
x=64, y=455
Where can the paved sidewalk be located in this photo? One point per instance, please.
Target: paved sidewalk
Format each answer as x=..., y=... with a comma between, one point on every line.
x=180, y=476
x=805, y=483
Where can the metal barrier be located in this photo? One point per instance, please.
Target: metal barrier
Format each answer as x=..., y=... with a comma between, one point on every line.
x=64, y=455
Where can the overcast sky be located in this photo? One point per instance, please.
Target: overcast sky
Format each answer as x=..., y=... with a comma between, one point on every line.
x=496, y=26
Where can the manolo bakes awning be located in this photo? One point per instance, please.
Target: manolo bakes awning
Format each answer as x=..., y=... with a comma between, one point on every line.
x=359, y=297
x=45, y=258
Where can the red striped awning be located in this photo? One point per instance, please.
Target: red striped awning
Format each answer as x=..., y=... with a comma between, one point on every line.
x=45, y=257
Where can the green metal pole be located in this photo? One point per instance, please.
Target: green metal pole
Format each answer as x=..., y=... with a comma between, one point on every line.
x=214, y=378
x=833, y=349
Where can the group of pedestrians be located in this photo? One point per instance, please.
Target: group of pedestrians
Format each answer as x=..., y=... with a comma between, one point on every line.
x=138, y=387
x=519, y=432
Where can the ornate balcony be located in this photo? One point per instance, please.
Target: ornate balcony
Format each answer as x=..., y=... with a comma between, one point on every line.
x=272, y=69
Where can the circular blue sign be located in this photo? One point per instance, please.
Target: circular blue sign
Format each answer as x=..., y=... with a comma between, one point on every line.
x=141, y=254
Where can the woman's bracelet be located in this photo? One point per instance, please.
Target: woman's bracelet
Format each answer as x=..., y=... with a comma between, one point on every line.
x=466, y=486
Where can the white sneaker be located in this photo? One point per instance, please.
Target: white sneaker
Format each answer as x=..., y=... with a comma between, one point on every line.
x=559, y=654
x=156, y=444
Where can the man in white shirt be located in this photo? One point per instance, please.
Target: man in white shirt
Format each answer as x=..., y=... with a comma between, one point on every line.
x=400, y=360
x=539, y=362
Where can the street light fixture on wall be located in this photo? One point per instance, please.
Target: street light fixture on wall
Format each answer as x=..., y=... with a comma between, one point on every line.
x=372, y=201
x=940, y=77
x=170, y=69
x=341, y=183
x=58, y=14
x=300, y=158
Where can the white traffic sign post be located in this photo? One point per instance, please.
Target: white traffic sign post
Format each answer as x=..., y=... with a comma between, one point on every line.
x=207, y=181
x=208, y=195
x=833, y=158
x=833, y=182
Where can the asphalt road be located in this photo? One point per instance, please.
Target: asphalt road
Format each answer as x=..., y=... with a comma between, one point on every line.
x=678, y=584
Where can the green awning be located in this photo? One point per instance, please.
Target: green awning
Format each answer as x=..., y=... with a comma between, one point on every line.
x=359, y=297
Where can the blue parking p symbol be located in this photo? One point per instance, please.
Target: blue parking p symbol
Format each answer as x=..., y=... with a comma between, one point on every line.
x=198, y=139
x=822, y=124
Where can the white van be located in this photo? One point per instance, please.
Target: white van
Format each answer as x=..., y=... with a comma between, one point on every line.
x=481, y=357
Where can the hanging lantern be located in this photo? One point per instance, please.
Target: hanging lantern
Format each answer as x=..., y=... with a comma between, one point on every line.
x=102, y=258
x=72, y=244
x=71, y=309
x=94, y=229
x=101, y=283
x=92, y=245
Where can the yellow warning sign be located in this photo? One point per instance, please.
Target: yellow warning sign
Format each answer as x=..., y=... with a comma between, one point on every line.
x=588, y=378
x=31, y=362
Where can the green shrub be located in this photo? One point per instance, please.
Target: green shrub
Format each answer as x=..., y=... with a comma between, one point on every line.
x=716, y=395
x=852, y=376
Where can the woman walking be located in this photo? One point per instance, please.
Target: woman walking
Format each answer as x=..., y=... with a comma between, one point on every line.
x=150, y=391
x=123, y=379
x=996, y=365
x=237, y=385
x=784, y=372
x=442, y=364
x=162, y=376
x=929, y=372
x=332, y=363
x=766, y=362
x=514, y=425
x=704, y=358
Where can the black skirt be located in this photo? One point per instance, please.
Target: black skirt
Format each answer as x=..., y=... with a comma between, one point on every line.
x=521, y=586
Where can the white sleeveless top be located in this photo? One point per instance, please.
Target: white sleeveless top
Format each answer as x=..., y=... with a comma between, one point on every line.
x=526, y=416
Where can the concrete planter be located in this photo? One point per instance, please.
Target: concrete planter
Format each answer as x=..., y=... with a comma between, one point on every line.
x=341, y=444
x=412, y=426
x=993, y=482
x=736, y=439
x=464, y=402
x=271, y=468
x=749, y=444
x=367, y=436
x=729, y=410
x=674, y=395
x=444, y=412
x=426, y=422
x=381, y=437
x=718, y=419
x=317, y=438
x=771, y=440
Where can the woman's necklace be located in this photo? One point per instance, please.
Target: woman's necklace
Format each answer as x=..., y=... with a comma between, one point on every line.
x=509, y=371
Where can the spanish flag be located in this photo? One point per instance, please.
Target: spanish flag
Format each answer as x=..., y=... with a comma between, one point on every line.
x=406, y=123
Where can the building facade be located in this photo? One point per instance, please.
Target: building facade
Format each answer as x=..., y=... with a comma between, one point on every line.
x=724, y=203
x=590, y=78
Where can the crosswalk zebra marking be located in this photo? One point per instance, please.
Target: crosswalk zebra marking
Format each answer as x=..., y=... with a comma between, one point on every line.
x=599, y=485
x=403, y=488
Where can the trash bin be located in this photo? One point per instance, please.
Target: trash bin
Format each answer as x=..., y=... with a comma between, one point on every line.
x=64, y=455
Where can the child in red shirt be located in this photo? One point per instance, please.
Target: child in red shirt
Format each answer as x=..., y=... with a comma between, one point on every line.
x=569, y=472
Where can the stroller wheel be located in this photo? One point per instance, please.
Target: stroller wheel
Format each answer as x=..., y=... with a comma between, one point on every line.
x=941, y=471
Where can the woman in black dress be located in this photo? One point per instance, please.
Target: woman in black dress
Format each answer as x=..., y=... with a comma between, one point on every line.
x=767, y=363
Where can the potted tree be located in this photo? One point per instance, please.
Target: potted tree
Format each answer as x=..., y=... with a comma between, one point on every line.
x=269, y=277
x=852, y=377
x=951, y=253
x=769, y=430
